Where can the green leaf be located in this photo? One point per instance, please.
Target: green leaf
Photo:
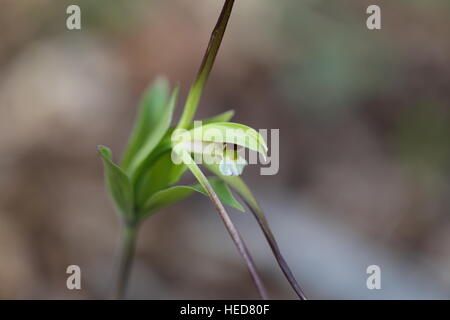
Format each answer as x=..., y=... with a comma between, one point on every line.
x=118, y=184
x=158, y=131
x=223, y=117
x=227, y=132
x=163, y=146
x=160, y=174
x=174, y=194
x=151, y=110
x=164, y=198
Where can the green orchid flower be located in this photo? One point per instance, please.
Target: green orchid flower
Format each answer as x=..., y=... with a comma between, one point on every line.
x=211, y=140
x=158, y=155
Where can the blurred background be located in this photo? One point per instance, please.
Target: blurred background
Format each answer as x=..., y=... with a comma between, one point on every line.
x=364, y=146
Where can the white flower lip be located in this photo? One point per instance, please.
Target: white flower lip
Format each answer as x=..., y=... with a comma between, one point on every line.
x=232, y=167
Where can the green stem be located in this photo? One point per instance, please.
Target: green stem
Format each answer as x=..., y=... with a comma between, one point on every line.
x=215, y=41
x=128, y=242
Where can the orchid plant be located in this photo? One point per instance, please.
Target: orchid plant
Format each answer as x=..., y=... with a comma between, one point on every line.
x=158, y=155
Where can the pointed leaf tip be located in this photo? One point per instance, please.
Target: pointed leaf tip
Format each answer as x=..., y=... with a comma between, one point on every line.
x=117, y=183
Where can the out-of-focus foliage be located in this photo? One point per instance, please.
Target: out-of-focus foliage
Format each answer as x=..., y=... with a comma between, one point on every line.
x=423, y=137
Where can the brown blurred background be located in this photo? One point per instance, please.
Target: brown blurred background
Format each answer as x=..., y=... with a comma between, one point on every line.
x=364, y=128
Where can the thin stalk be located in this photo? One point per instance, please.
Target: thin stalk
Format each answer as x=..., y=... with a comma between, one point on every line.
x=237, y=239
x=128, y=244
x=215, y=41
x=239, y=242
x=264, y=225
x=238, y=185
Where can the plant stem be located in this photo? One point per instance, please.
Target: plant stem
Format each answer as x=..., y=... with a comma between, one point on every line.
x=238, y=185
x=238, y=241
x=128, y=243
x=264, y=225
x=215, y=41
